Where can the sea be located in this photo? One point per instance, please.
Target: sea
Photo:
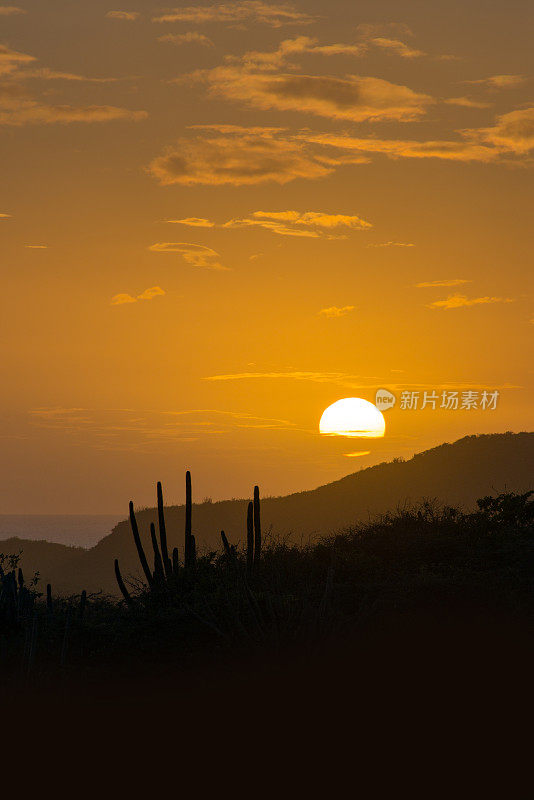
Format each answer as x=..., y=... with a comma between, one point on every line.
x=82, y=530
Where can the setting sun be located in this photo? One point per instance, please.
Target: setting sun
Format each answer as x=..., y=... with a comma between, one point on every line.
x=353, y=416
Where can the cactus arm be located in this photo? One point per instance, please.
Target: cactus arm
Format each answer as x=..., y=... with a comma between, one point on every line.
x=250, y=537
x=83, y=603
x=257, y=526
x=163, y=533
x=190, y=545
x=158, y=563
x=49, y=606
x=124, y=591
x=140, y=551
x=175, y=561
x=226, y=544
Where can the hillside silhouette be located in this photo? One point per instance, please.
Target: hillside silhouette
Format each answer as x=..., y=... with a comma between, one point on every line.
x=454, y=474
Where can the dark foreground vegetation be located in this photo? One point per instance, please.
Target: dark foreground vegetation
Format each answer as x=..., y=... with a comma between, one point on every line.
x=410, y=577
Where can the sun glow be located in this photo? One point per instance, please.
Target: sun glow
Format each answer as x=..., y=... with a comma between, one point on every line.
x=353, y=417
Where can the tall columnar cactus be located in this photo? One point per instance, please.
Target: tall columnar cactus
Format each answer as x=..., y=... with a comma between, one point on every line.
x=167, y=565
x=190, y=544
x=159, y=574
x=175, y=561
x=49, y=604
x=140, y=551
x=83, y=603
x=124, y=591
x=257, y=527
x=250, y=538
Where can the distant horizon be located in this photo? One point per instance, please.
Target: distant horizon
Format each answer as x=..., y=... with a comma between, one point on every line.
x=201, y=499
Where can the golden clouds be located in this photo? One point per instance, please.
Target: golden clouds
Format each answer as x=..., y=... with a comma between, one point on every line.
x=191, y=37
x=500, y=81
x=193, y=222
x=6, y=216
x=294, y=223
x=391, y=244
x=148, y=294
x=28, y=112
x=351, y=98
x=195, y=254
x=237, y=156
x=397, y=47
x=12, y=60
x=449, y=282
x=461, y=301
x=129, y=16
x=513, y=132
x=234, y=12
x=312, y=224
x=333, y=312
x=11, y=11
x=19, y=106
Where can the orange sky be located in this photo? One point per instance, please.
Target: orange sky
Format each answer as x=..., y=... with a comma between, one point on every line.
x=219, y=219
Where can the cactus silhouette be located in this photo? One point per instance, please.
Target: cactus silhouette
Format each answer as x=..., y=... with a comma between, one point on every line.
x=167, y=565
x=250, y=538
x=166, y=570
x=190, y=554
x=124, y=591
x=159, y=575
x=257, y=527
x=140, y=551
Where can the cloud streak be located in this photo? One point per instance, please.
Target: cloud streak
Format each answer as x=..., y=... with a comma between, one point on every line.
x=273, y=15
x=461, y=301
x=334, y=312
x=238, y=156
x=352, y=98
x=127, y=299
x=11, y=11
x=128, y=16
x=196, y=255
x=447, y=282
x=191, y=37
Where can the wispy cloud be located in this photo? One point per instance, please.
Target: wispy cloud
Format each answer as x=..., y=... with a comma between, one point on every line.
x=466, y=102
x=142, y=429
x=358, y=454
x=255, y=11
x=191, y=37
x=461, y=301
x=36, y=246
x=312, y=224
x=195, y=254
x=447, y=282
x=499, y=81
x=512, y=133
x=148, y=294
x=193, y=222
x=129, y=16
x=20, y=106
x=338, y=378
x=31, y=112
x=391, y=244
x=288, y=50
x=396, y=46
x=6, y=216
x=238, y=156
x=354, y=98
x=11, y=11
x=333, y=312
